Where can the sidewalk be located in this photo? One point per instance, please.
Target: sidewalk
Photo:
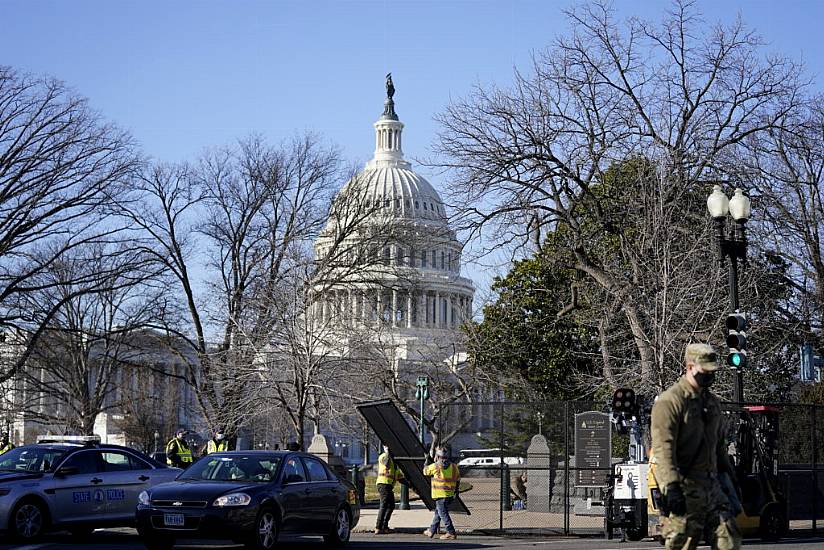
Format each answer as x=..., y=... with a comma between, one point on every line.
x=414, y=520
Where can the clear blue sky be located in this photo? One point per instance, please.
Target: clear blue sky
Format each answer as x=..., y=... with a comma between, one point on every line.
x=184, y=75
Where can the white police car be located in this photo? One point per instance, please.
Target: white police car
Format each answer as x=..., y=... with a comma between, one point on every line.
x=76, y=486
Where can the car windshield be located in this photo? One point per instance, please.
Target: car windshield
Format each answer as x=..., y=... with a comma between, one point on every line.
x=30, y=459
x=241, y=468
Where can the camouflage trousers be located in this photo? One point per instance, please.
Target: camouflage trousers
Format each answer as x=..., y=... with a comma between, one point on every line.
x=708, y=518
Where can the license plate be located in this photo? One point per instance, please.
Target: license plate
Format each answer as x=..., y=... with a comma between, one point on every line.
x=173, y=520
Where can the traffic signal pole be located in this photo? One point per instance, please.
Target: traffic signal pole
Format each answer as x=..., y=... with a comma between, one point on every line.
x=737, y=378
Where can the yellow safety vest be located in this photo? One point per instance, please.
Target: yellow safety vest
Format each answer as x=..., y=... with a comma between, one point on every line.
x=183, y=451
x=212, y=447
x=7, y=448
x=388, y=473
x=444, y=480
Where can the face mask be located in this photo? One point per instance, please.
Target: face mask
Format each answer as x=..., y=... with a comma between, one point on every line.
x=704, y=379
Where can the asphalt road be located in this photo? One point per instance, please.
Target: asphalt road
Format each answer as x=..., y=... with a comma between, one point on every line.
x=127, y=539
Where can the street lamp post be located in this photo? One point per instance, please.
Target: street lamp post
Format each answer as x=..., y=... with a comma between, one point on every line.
x=421, y=394
x=734, y=248
x=156, y=441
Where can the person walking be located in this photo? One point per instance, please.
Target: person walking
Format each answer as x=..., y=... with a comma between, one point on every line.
x=689, y=452
x=388, y=474
x=445, y=480
x=178, y=453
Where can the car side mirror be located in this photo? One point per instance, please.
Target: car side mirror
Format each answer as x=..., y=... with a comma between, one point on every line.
x=67, y=471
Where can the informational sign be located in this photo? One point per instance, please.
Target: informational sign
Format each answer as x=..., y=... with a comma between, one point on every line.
x=593, y=449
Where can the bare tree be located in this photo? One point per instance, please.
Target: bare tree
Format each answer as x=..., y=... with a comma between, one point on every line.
x=252, y=209
x=60, y=167
x=77, y=368
x=667, y=108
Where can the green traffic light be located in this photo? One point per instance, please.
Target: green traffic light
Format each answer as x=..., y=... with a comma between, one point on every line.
x=736, y=359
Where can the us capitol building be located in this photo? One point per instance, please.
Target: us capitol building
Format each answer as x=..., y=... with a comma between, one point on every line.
x=412, y=291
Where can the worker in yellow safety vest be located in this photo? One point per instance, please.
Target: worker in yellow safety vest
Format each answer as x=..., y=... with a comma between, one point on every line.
x=388, y=474
x=178, y=453
x=218, y=443
x=5, y=444
x=445, y=480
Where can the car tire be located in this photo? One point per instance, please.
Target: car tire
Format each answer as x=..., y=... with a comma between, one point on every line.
x=773, y=523
x=267, y=528
x=28, y=521
x=341, y=528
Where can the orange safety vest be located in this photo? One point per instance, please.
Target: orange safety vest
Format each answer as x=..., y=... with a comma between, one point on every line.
x=444, y=480
x=388, y=473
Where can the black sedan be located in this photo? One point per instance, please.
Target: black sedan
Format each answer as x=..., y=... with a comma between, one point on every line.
x=249, y=497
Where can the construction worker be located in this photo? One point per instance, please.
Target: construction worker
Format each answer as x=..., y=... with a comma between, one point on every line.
x=218, y=443
x=445, y=479
x=178, y=453
x=388, y=474
x=689, y=452
x=5, y=444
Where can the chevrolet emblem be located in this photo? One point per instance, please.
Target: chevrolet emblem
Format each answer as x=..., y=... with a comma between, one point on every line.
x=178, y=503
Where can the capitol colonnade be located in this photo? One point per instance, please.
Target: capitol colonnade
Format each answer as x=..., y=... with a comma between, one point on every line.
x=399, y=307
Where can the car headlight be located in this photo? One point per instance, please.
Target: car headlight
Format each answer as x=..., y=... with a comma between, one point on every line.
x=143, y=498
x=233, y=499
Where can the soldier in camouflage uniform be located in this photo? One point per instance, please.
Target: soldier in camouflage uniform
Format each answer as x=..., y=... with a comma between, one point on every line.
x=689, y=451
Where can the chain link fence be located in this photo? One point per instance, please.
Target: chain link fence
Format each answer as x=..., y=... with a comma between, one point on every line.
x=512, y=494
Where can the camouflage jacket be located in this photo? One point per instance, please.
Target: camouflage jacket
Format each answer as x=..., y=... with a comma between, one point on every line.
x=686, y=433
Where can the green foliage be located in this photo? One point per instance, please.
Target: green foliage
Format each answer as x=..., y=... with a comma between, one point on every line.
x=522, y=332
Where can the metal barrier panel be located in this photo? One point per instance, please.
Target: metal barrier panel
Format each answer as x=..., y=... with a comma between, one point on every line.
x=391, y=427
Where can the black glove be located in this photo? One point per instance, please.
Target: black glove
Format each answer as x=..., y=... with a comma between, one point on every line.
x=676, y=502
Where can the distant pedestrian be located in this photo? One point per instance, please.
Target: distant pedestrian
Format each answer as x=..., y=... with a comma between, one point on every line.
x=217, y=444
x=445, y=480
x=5, y=444
x=178, y=453
x=388, y=474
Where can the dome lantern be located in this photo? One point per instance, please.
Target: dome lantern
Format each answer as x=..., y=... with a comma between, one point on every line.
x=388, y=130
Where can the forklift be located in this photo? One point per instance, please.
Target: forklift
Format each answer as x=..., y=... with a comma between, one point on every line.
x=754, y=458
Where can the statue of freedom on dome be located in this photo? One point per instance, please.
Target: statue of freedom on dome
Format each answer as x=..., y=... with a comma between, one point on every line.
x=390, y=88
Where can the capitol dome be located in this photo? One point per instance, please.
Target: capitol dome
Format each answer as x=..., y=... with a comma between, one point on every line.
x=411, y=281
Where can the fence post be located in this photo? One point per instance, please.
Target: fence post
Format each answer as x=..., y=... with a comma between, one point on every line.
x=501, y=500
x=566, y=467
x=815, y=467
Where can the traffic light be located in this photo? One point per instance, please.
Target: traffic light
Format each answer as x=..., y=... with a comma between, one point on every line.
x=737, y=340
x=623, y=401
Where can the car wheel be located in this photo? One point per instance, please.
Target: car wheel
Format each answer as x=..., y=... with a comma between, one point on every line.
x=341, y=528
x=28, y=521
x=635, y=535
x=265, y=536
x=773, y=524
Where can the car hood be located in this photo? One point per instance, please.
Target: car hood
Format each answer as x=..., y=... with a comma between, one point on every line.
x=197, y=490
x=18, y=476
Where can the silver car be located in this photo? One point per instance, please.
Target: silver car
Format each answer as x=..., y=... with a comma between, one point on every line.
x=73, y=487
